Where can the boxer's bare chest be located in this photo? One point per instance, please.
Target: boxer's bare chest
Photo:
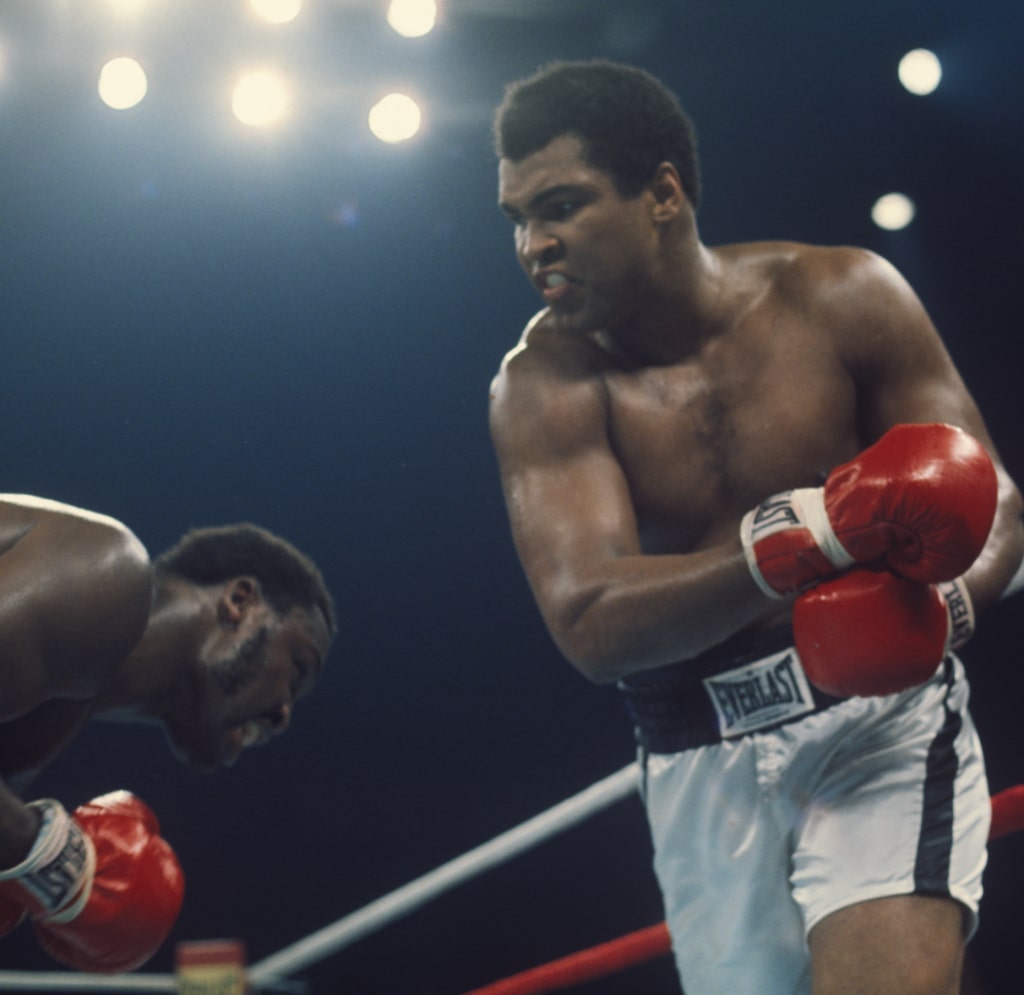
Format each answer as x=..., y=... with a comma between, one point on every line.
x=701, y=441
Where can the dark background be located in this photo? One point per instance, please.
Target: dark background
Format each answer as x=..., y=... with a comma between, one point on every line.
x=204, y=323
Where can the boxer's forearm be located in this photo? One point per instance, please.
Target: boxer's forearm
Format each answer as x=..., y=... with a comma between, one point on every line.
x=994, y=573
x=19, y=826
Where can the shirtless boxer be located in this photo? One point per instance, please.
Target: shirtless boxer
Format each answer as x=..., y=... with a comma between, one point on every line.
x=215, y=640
x=707, y=455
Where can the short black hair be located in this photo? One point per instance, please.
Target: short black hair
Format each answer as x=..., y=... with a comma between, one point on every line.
x=629, y=122
x=288, y=578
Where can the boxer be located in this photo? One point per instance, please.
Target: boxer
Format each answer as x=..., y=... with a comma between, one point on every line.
x=747, y=485
x=215, y=640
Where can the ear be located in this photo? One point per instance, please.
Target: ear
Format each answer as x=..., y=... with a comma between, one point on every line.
x=667, y=190
x=236, y=599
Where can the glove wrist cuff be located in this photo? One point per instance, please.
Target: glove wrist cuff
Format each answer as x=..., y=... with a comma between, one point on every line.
x=56, y=876
x=53, y=833
x=749, y=553
x=789, y=542
x=960, y=609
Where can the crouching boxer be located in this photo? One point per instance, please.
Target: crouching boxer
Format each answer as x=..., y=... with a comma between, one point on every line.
x=216, y=640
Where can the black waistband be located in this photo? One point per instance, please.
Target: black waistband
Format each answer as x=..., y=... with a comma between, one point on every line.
x=672, y=710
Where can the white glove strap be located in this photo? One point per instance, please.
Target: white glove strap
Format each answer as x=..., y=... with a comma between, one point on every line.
x=961, y=612
x=58, y=871
x=811, y=503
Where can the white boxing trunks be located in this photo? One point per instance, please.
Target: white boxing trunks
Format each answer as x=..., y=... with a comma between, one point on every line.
x=772, y=806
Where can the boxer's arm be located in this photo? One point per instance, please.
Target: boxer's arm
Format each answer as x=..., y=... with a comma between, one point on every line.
x=75, y=593
x=610, y=609
x=19, y=826
x=904, y=373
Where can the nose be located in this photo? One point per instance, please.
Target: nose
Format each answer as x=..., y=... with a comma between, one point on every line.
x=537, y=245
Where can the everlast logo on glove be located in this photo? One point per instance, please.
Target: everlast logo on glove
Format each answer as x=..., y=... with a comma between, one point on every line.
x=760, y=694
x=53, y=883
x=775, y=514
x=961, y=612
x=58, y=863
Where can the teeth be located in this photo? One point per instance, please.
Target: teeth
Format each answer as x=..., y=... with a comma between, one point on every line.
x=554, y=280
x=250, y=733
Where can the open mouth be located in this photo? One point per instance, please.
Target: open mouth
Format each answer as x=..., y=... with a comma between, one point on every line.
x=553, y=286
x=253, y=733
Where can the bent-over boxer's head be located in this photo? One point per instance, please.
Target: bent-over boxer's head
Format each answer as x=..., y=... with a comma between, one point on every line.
x=288, y=578
x=274, y=625
x=628, y=121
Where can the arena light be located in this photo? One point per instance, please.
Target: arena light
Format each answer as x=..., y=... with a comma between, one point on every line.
x=259, y=99
x=122, y=83
x=277, y=11
x=893, y=212
x=127, y=7
x=412, y=18
x=920, y=71
x=395, y=118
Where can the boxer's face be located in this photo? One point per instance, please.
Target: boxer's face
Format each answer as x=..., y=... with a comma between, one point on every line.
x=247, y=691
x=587, y=249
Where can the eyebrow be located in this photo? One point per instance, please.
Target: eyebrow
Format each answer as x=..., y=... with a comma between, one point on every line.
x=538, y=199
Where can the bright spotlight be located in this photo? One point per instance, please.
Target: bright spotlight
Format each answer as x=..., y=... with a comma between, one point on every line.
x=122, y=83
x=920, y=71
x=412, y=18
x=259, y=99
x=396, y=118
x=127, y=7
x=893, y=211
x=277, y=11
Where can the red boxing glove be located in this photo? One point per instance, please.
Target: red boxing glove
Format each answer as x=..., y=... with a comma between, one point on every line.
x=1007, y=812
x=923, y=498
x=103, y=889
x=873, y=633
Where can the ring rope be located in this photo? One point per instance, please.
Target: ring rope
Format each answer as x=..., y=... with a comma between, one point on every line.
x=586, y=965
x=409, y=897
x=648, y=944
x=66, y=981
x=616, y=955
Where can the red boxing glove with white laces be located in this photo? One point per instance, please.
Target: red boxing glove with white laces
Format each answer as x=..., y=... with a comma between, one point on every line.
x=102, y=888
x=920, y=501
x=873, y=633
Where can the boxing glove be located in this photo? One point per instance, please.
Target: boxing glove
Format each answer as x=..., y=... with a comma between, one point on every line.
x=1007, y=812
x=101, y=887
x=921, y=500
x=870, y=632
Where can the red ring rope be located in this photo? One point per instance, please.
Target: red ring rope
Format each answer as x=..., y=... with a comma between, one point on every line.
x=646, y=944
x=597, y=962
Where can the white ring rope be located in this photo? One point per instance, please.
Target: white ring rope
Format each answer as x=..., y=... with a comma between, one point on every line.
x=65, y=981
x=409, y=897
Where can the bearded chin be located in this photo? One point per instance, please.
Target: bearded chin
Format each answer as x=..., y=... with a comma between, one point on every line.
x=238, y=670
